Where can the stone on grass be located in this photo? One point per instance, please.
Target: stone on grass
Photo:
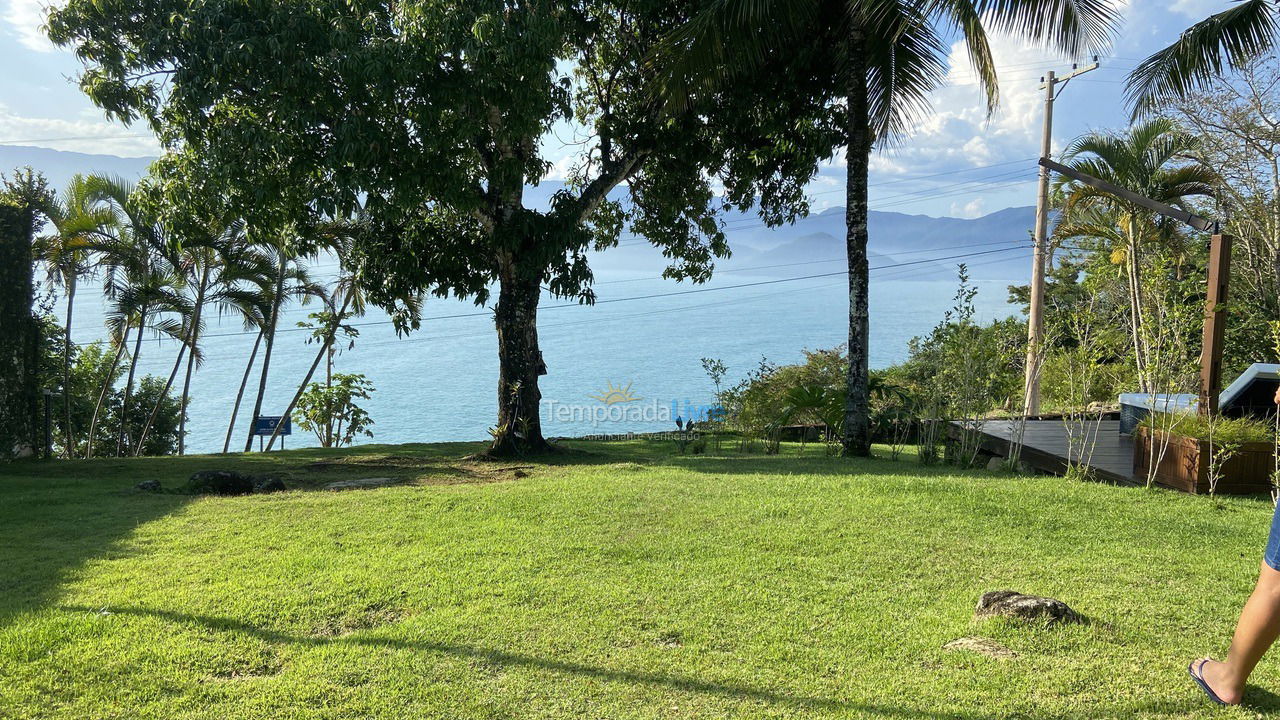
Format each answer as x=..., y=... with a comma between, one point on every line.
x=268, y=484
x=1012, y=604
x=152, y=486
x=371, y=482
x=996, y=464
x=219, y=482
x=983, y=646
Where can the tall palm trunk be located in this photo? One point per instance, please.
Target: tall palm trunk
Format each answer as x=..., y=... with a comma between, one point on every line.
x=123, y=439
x=191, y=361
x=324, y=350
x=189, y=343
x=68, y=435
x=857, y=417
x=244, y=382
x=106, y=385
x=266, y=355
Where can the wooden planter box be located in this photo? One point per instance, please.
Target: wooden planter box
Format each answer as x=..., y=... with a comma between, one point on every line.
x=1185, y=465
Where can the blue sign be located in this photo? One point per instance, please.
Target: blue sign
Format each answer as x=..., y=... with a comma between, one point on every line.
x=266, y=425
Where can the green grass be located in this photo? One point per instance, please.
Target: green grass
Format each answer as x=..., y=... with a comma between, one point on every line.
x=620, y=582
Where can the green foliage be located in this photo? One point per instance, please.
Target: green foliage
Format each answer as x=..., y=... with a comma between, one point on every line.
x=963, y=368
x=1224, y=430
x=90, y=371
x=813, y=393
x=330, y=410
x=163, y=437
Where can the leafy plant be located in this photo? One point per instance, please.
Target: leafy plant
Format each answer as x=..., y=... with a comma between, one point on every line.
x=330, y=410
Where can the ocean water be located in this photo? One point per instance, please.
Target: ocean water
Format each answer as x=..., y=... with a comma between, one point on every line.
x=439, y=383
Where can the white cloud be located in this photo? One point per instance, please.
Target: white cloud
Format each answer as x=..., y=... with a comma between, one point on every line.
x=975, y=208
x=25, y=19
x=86, y=135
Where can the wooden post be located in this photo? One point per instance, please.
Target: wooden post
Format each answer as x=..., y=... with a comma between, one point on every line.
x=1215, y=323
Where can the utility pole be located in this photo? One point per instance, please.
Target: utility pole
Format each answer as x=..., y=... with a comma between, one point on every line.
x=1215, y=322
x=1035, y=309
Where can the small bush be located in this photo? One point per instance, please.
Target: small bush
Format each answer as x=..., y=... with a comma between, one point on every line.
x=1232, y=431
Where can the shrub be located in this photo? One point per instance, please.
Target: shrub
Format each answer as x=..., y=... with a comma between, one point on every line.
x=1226, y=431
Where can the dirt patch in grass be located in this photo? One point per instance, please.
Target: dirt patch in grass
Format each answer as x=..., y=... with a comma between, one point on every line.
x=265, y=663
x=355, y=621
x=410, y=470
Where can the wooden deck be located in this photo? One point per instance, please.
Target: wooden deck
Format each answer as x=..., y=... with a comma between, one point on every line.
x=1044, y=447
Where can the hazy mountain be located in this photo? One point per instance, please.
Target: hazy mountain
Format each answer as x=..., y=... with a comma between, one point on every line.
x=58, y=166
x=995, y=247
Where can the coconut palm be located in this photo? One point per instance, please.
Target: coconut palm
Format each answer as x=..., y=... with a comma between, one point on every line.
x=291, y=280
x=142, y=280
x=80, y=220
x=882, y=58
x=346, y=300
x=1145, y=159
x=216, y=269
x=1232, y=38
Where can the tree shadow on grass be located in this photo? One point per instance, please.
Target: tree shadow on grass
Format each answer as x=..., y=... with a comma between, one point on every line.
x=51, y=526
x=685, y=683
x=57, y=516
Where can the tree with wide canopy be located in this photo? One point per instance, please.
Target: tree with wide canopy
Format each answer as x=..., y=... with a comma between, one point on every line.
x=887, y=57
x=430, y=119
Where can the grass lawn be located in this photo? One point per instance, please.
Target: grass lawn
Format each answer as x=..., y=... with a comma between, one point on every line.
x=618, y=582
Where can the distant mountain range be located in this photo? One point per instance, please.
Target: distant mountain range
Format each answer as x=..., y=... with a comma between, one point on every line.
x=995, y=247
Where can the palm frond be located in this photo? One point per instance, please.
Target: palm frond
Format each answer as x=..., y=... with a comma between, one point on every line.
x=904, y=64
x=1230, y=38
x=1073, y=27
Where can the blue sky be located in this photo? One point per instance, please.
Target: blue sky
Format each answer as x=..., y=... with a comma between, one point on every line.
x=956, y=162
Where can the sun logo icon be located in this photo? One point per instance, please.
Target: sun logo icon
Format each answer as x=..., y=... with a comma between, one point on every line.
x=613, y=395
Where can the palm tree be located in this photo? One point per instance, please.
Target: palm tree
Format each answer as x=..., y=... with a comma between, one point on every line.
x=215, y=268
x=291, y=280
x=144, y=281
x=1142, y=159
x=346, y=301
x=1232, y=38
x=80, y=220
x=886, y=56
x=254, y=310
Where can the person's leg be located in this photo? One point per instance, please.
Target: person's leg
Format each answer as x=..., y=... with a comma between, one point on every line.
x=1258, y=628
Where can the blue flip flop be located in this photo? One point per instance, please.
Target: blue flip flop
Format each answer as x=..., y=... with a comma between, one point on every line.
x=1197, y=673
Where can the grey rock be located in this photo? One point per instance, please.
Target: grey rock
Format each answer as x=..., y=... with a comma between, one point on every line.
x=996, y=464
x=151, y=486
x=268, y=484
x=1012, y=604
x=982, y=646
x=219, y=482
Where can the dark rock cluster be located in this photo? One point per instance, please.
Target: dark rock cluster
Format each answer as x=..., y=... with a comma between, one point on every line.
x=219, y=482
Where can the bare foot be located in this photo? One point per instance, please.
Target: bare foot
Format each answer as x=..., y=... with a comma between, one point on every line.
x=1215, y=675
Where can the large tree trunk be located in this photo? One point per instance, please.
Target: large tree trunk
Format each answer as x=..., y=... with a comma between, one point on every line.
x=123, y=439
x=519, y=429
x=244, y=382
x=68, y=434
x=857, y=413
x=18, y=372
x=266, y=356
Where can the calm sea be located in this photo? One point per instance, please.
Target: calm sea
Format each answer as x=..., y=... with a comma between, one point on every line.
x=439, y=383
